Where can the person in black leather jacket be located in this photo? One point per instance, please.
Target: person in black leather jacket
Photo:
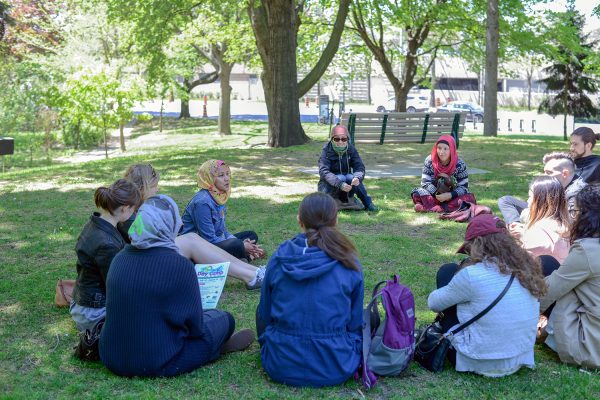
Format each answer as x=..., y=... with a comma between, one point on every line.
x=96, y=246
x=342, y=172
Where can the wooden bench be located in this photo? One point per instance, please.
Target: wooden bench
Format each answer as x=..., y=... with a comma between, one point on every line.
x=403, y=127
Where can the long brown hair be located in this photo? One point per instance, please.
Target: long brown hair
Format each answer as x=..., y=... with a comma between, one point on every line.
x=318, y=215
x=503, y=250
x=120, y=193
x=144, y=176
x=549, y=201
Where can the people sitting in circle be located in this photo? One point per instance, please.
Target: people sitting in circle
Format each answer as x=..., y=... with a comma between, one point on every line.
x=583, y=141
x=309, y=318
x=548, y=223
x=574, y=288
x=444, y=181
x=155, y=324
x=342, y=172
x=96, y=247
x=559, y=165
x=206, y=212
x=502, y=340
x=191, y=245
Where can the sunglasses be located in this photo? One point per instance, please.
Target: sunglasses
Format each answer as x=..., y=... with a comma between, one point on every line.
x=340, y=139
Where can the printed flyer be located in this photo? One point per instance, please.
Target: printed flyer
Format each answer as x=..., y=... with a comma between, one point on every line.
x=211, y=279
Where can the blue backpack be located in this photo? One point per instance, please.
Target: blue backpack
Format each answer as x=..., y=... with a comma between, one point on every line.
x=388, y=346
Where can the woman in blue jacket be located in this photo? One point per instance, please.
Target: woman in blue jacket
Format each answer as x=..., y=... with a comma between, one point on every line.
x=310, y=314
x=342, y=172
x=205, y=214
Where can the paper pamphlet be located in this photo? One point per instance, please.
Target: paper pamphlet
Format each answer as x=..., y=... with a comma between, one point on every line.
x=211, y=279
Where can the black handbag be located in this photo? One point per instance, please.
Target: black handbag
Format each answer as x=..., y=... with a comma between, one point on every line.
x=87, y=348
x=432, y=344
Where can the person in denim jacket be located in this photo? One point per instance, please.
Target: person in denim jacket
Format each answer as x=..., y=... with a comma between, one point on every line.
x=205, y=214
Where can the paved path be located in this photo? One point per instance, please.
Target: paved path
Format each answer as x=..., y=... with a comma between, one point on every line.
x=393, y=171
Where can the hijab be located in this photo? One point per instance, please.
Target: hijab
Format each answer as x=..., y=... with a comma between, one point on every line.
x=206, y=180
x=438, y=168
x=156, y=224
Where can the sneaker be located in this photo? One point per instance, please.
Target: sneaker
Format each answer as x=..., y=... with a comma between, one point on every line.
x=239, y=341
x=372, y=208
x=256, y=283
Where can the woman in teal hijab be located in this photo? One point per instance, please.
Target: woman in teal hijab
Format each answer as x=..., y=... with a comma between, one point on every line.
x=342, y=172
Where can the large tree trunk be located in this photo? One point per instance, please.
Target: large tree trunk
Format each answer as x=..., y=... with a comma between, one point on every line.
x=490, y=127
x=275, y=24
x=225, y=100
x=284, y=115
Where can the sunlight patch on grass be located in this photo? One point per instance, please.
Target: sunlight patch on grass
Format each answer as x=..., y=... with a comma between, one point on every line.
x=276, y=192
x=11, y=309
x=423, y=219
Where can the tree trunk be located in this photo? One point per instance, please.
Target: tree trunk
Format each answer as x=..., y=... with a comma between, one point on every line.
x=432, y=91
x=490, y=127
x=274, y=23
x=225, y=100
x=122, y=136
x=529, y=79
x=284, y=115
x=185, y=109
x=565, y=110
x=160, y=121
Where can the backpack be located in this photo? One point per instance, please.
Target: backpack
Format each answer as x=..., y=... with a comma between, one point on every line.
x=388, y=346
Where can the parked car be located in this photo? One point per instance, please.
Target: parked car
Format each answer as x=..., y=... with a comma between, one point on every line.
x=474, y=111
x=414, y=103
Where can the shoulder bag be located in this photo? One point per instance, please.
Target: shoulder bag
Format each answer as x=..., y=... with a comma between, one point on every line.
x=432, y=344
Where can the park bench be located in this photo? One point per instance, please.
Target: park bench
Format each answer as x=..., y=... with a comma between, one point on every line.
x=403, y=127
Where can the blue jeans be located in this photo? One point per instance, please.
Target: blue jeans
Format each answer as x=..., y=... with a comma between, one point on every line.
x=360, y=191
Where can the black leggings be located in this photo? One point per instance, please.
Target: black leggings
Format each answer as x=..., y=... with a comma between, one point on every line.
x=235, y=246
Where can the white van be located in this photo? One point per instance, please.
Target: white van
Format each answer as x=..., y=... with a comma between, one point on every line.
x=414, y=103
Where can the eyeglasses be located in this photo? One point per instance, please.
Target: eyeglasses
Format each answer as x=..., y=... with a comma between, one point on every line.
x=573, y=212
x=340, y=139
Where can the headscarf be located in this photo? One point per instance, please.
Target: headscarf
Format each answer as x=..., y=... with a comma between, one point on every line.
x=206, y=180
x=438, y=168
x=157, y=224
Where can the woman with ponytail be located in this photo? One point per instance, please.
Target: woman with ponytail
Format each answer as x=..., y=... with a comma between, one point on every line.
x=309, y=319
x=96, y=247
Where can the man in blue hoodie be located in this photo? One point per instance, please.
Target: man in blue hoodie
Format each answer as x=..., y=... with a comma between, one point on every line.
x=342, y=172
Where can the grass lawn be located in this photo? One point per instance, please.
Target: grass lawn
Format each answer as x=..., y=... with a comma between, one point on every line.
x=43, y=209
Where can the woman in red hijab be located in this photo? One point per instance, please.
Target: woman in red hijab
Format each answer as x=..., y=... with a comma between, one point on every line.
x=445, y=180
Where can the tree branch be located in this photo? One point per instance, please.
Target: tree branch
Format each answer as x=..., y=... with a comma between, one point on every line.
x=330, y=50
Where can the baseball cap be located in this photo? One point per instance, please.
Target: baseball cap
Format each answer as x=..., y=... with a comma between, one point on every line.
x=482, y=225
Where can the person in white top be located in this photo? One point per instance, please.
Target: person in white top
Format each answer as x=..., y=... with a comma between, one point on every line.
x=547, y=228
x=501, y=341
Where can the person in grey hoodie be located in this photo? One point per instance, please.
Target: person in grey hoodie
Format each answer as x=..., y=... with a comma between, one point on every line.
x=342, y=172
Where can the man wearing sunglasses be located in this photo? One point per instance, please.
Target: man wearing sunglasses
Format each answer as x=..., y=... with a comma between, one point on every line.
x=342, y=172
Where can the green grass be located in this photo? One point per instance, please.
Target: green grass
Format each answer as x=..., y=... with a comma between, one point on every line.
x=43, y=209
